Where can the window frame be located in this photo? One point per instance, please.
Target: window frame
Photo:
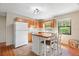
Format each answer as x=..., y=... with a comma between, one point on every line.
x=64, y=26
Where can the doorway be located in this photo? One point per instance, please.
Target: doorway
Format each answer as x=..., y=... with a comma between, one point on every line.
x=2, y=30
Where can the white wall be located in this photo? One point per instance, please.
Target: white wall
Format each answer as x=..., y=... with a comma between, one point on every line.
x=10, y=19
x=74, y=26
x=2, y=28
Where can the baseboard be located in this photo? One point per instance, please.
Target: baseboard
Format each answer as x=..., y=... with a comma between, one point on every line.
x=2, y=44
x=12, y=46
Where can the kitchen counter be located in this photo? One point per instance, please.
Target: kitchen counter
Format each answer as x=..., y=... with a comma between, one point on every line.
x=43, y=34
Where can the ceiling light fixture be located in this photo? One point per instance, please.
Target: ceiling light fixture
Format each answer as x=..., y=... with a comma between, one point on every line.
x=36, y=11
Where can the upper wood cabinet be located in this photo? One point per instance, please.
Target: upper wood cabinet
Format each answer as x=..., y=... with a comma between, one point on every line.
x=53, y=23
x=38, y=24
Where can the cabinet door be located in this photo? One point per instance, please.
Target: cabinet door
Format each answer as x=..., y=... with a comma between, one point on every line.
x=41, y=46
x=35, y=44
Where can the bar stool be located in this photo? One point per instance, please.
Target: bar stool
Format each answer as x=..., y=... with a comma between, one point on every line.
x=54, y=45
x=51, y=45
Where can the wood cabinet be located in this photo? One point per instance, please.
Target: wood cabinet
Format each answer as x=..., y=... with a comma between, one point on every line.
x=30, y=37
x=53, y=23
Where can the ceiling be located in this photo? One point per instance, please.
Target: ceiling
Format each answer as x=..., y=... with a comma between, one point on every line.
x=46, y=10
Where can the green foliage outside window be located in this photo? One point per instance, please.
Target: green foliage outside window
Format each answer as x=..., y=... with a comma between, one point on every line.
x=47, y=24
x=64, y=27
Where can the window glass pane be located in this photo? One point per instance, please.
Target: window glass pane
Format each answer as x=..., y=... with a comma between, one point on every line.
x=64, y=27
x=47, y=24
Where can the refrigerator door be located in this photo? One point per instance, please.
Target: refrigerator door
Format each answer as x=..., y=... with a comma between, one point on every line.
x=21, y=38
x=21, y=26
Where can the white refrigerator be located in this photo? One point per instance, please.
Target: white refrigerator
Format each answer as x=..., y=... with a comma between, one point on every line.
x=21, y=34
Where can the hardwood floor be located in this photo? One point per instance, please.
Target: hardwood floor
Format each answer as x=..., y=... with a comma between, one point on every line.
x=20, y=51
x=6, y=51
x=71, y=51
x=26, y=51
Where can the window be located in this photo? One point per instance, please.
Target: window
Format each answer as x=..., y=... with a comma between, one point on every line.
x=48, y=24
x=64, y=27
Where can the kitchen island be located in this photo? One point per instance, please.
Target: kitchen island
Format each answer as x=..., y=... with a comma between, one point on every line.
x=39, y=42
